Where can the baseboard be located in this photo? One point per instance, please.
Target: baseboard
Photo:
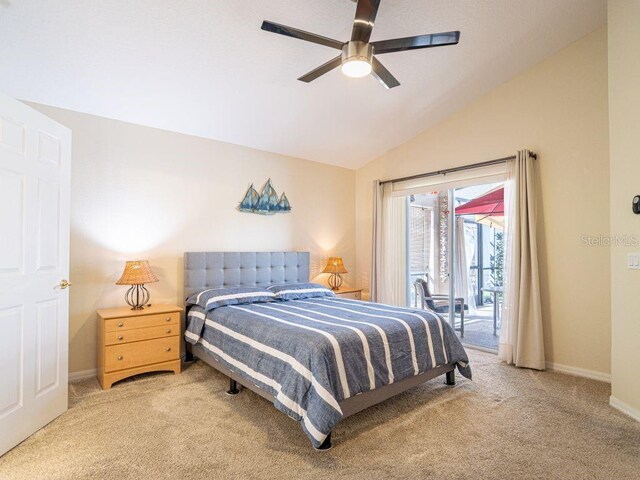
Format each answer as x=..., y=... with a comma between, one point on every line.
x=579, y=372
x=82, y=375
x=624, y=408
x=479, y=348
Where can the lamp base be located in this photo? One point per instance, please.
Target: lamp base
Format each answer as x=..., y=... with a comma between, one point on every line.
x=137, y=296
x=335, y=281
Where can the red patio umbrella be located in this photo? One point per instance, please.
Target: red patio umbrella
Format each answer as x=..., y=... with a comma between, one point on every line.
x=491, y=203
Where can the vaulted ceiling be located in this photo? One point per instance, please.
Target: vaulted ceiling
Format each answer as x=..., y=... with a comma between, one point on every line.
x=204, y=67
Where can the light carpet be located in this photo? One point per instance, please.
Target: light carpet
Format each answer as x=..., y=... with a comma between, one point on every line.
x=507, y=423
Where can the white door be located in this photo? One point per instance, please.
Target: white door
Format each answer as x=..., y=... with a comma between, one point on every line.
x=35, y=158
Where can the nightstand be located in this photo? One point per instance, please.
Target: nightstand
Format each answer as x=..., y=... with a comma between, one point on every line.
x=348, y=292
x=131, y=342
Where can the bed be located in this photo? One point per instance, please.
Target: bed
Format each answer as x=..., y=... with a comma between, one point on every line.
x=317, y=359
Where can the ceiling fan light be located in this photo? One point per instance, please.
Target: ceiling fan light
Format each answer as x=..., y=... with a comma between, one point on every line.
x=356, y=68
x=356, y=59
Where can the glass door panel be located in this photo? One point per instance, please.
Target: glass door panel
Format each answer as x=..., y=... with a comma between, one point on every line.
x=427, y=248
x=455, y=248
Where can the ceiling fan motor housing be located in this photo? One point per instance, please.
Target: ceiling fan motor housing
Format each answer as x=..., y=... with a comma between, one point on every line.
x=357, y=51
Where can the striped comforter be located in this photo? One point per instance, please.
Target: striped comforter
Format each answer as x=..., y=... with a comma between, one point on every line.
x=312, y=353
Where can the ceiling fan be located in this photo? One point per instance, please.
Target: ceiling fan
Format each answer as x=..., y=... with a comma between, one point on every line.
x=358, y=54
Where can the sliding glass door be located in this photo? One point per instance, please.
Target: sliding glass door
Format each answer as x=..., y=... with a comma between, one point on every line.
x=455, y=249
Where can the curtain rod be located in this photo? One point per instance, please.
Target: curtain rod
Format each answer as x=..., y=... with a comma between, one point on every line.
x=497, y=161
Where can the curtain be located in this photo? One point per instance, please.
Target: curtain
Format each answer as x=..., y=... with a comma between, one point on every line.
x=463, y=257
x=376, y=267
x=521, y=340
x=389, y=262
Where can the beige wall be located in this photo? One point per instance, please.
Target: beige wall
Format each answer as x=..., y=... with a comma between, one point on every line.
x=624, y=108
x=139, y=192
x=558, y=109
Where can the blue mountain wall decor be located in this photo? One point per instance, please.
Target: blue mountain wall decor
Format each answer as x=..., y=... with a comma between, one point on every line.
x=266, y=202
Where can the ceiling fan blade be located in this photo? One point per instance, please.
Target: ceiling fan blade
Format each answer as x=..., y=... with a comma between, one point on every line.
x=301, y=34
x=366, y=12
x=419, y=41
x=383, y=75
x=322, y=69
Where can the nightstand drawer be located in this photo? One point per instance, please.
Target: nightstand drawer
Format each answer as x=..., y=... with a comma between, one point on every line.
x=120, y=357
x=142, y=321
x=135, y=335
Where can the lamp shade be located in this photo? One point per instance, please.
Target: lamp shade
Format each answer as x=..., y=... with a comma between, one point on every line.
x=335, y=265
x=137, y=272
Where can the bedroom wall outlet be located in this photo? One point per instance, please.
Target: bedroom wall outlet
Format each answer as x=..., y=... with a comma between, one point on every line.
x=633, y=261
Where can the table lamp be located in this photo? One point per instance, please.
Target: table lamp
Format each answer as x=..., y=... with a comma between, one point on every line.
x=136, y=274
x=335, y=267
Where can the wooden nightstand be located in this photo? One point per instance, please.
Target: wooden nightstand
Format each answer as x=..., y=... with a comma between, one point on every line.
x=137, y=341
x=348, y=292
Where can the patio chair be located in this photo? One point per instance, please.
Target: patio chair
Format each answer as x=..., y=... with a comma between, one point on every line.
x=439, y=303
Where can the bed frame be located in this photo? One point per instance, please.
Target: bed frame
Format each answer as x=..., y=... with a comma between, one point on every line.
x=234, y=269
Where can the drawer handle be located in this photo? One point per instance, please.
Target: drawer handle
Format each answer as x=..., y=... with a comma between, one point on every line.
x=168, y=319
x=168, y=330
x=120, y=337
x=121, y=324
x=120, y=357
x=168, y=349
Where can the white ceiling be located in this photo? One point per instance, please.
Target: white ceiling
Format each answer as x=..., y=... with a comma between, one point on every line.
x=205, y=68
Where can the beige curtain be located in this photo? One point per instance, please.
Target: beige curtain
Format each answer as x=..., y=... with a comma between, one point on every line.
x=521, y=340
x=389, y=265
x=376, y=267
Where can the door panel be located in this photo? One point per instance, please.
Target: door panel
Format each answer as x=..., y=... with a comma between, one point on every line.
x=12, y=135
x=35, y=159
x=48, y=148
x=48, y=221
x=11, y=355
x=47, y=348
x=11, y=219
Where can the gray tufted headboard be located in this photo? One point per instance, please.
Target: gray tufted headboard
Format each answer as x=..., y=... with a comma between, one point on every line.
x=234, y=269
